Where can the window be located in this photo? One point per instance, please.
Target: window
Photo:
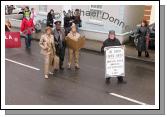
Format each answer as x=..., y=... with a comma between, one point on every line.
x=96, y=12
x=42, y=8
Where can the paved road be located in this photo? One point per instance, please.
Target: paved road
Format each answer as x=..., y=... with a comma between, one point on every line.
x=27, y=86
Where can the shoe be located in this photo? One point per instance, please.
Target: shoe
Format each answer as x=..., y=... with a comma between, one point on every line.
x=121, y=80
x=56, y=70
x=46, y=76
x=51, y=73
x=77, y=67
x=69, y=67
x=146, y=54
x=61, y=68
x=107, y=80
x=139, y=54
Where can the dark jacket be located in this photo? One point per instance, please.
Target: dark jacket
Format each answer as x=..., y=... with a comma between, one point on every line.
x=109, y=42
x=50, y=20
x=142, y=37
x=67, y=22
x=77, y=20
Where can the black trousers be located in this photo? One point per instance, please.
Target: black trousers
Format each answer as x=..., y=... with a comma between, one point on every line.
x=60, y=53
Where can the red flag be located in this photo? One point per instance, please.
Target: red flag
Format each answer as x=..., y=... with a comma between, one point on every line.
x=12, y=40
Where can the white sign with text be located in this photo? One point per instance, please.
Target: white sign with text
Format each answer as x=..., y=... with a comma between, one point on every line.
x=114, y=61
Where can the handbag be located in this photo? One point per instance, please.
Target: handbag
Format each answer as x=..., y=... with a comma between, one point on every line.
x=55, y=62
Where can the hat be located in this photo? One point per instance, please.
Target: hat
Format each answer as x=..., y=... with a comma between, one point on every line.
x=48, y=28
x=57, y=22
x=112, y=32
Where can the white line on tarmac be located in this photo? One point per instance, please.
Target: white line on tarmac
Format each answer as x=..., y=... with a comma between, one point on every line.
x=129, y=99
x=28, y=66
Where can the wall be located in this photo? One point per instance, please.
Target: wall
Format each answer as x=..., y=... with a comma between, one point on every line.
x=133, y=14
x=106, y=24
x=152, y=15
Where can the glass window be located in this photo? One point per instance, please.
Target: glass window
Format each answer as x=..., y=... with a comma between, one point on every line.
x=96, y=12
x=42, y=8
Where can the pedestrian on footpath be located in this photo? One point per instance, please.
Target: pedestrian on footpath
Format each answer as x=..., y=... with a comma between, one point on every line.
x=59, y=38
x=50, y=18
x=8, y=26
x=77, y=19
x=112, y=41
x=48, y=50
x=143, y=38
x=27, y=28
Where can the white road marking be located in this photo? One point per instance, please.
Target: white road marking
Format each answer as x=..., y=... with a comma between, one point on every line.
x=129, y=99
x=28, y=66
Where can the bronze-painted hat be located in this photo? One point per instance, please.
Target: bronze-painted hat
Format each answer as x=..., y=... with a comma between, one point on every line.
x=48, y=28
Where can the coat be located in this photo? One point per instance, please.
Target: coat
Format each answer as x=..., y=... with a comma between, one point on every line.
x=47, y=44
x=60, y=43
x=109, y=42
x=143, y=37
x=50, y=20
x=27, y=26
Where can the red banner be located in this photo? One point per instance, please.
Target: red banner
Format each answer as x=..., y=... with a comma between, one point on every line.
x=12, y=40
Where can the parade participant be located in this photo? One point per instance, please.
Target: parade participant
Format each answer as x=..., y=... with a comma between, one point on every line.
x=112, y=41
x=50, y=18
x=59, y=38
x=143, y=38
x=27, y=28
x=74, y=35
x=10, y=9
x=8, y=26
x=48, y=50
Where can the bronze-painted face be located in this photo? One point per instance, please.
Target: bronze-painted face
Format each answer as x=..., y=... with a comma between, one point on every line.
x=48, y=31
x=73, y=29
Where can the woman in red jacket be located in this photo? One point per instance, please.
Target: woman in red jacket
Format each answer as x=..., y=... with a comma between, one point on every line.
x=27, y=28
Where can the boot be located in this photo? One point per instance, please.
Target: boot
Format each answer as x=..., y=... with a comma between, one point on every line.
x=146, y=54
x=77, y=66
x=121, y=80
x=46, y=76
x=139, y=54
x=108, y=80
x=61, y=65
x=69, y=66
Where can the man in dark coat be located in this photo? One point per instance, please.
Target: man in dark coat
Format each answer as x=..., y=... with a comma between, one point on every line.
x=112, y=41
x=59, y=37
x=50, y=18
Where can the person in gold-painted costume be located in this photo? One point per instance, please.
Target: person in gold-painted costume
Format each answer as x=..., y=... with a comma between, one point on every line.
x=48, y=50
x=73, y=54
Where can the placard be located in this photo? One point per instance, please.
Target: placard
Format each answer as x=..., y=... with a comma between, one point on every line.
x=114, y=61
